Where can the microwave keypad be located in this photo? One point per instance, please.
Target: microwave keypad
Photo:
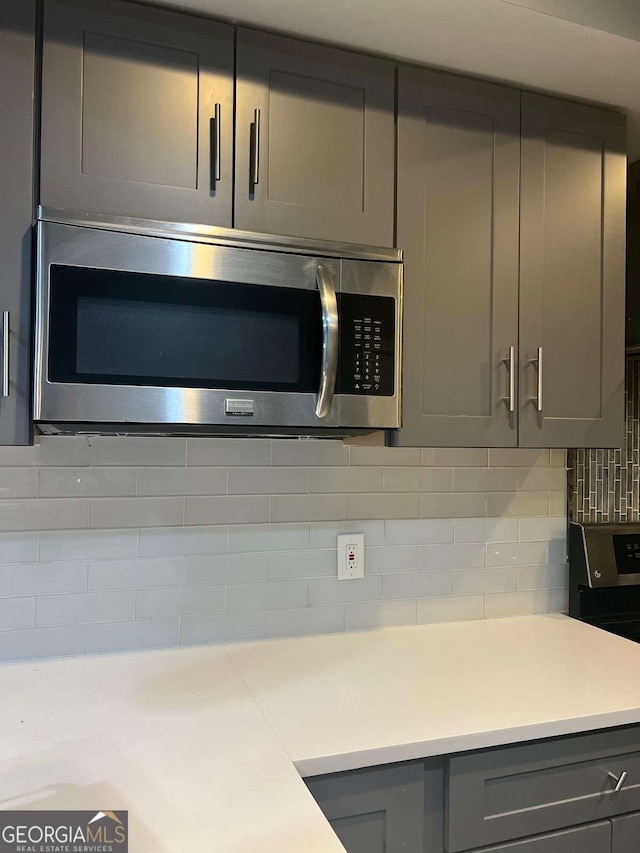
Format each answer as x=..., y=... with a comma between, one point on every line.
x=367, y=334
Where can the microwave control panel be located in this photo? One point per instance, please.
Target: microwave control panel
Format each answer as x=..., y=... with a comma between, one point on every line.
x=366, y=363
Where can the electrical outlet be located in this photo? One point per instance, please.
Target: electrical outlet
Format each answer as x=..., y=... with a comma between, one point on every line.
x=350, y=556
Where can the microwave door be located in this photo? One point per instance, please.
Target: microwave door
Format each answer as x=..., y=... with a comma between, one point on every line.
x=140, y=330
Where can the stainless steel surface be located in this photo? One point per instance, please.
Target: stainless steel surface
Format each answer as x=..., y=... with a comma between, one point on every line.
x=70, y=403
x=600, y=558
x=6, y=346
x=538, y=363
x=255, y=149
x=218, y=143
x=618, y=780
x=330, y=341
x=218, y=236
x=510, y=361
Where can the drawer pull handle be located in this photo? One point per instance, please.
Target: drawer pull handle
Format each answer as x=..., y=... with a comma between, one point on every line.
x=619, y=780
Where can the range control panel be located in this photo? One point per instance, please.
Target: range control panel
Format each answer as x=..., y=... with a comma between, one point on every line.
x=626, y=548
x=366, y=364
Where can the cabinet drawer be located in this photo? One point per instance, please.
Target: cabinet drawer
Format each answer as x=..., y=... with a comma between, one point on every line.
x=625, y=834
x=502, y=794
x=586, y=839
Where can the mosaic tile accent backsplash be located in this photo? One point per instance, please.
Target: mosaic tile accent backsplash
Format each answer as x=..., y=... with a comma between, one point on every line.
x=604, y=485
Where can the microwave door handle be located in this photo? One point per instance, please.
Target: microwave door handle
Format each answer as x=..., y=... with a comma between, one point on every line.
x=329, y=365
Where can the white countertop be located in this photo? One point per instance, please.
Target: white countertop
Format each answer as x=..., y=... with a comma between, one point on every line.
x=202, y=745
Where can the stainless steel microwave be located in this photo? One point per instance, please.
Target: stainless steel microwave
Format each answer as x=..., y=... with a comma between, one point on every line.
x=150, y=327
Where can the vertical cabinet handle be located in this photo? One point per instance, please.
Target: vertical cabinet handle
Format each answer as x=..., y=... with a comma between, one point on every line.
x=329, y=366
x=254, y=169
x=510, y=362
x=215, y=143
x=538, y=363
x=618, y=780
x=5, y=353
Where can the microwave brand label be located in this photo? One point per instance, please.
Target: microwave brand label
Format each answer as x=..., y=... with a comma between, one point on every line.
x=239, y=408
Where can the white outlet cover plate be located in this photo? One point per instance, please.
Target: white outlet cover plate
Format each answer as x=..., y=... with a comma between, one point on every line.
x=350, y=543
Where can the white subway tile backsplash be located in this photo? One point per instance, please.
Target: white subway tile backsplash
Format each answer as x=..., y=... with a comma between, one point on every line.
x=44, y=514
x=554, y=527
x=308, y=507
x=266, y=596
x=557, y=600
x=419, y=532
x=334, y=591
x=417, y=584
x=363, y=615
x=223, y=452
x=17, y=613
x=231, y=568
x=121, y=636
x=169, y=541
x=454, y=457
x=477, y=581
x=137, y=451
x=323, y=534
x=134, y=574
x=177, y=541
x=84, y=607
x=268, y=537
x=182, y=481
x=186, y=601
x=42, y=643
x=136, y=512
x=237, y=509
x=486, y=530
x=268, y=481
x=443, y=557
x=515, y=603
x=305, y=620
x=459, y=609
x=87, y=482
x=418, y=479
x=300, y=452
x=222, y=627
x=42, y=578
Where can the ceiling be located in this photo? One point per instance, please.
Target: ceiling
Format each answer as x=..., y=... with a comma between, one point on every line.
x=586, y=49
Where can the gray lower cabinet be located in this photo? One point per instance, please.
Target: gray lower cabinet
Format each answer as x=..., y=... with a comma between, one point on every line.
x=625, y=835
x=17, y=80
x=377, y=810
x=572, y=268
x=457, y=208
x=315, y=141
x=595, y=838
x=137, y=112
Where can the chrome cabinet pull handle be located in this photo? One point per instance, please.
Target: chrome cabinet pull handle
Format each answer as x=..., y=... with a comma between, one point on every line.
x=510, y=361
x=6, y=341
x=254, y=177
x=618, y=780
x=216, y=145
x=329, y=364
x=538, y=362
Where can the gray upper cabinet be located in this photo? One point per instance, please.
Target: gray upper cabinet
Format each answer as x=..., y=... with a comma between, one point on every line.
x=314, y=141
x=137, y=112
x=457, y=209
x=571, y=275
x=17, y=73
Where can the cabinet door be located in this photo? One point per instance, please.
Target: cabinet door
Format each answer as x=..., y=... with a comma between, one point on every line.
x=458, y=164
x=572, y=259
x=315, y=141
x=380, y=810
x=585, y=839
x=17, y=63
x=625, y=835
x=129, y=99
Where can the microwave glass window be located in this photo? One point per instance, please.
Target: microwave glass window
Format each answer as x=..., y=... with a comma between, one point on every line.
x=110, y=327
